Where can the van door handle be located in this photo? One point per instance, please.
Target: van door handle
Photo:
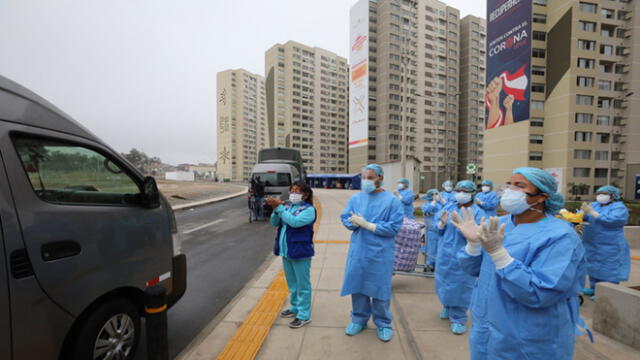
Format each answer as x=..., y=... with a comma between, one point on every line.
x=60, y=250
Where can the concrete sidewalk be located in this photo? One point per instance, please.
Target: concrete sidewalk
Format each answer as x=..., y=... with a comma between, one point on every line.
x=418, y=332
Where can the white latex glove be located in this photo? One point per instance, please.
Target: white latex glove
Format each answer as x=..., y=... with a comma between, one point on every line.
x=479, y=202
x=491, y=238
x=397, y=194
x=469, y=229
x=443, y=220
x=359, y=220
x=589, y=210
x=442, y=200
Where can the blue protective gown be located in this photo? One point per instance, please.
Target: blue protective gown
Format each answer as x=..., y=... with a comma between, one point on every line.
x=453, y=285
x=406, y=196
x=608, y=255
x=490, y=202
x=370, y=260
x=449, y=197
x=429, y=211
x=529, y=309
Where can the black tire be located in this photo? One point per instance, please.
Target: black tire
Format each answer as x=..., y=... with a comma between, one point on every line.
x=87, y=332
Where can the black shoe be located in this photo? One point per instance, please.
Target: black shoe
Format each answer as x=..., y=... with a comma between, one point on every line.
x=287, y=313
x=297, y=323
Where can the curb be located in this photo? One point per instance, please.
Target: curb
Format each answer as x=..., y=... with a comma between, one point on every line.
x=208, y=201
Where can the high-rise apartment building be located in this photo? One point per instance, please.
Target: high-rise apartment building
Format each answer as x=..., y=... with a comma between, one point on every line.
x=241, y=122
x=413, y=79
x=473, y=44
x=584, y=121
x=307, y=103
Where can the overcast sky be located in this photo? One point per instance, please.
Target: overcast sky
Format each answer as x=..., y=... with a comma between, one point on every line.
x=142, y=73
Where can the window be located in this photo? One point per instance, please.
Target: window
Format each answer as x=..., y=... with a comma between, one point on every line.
x=537, y=105
x=586, y=63
x=602, y=155
x=535, y=155
x=586, y=45
x=537, y=122
x=606, y=50
x=537, y=70
x=581, y=172
x=540, y=18
x=588, y=7
x=583, y=81
x=604, y=103
x=64, y=173
x=604, y=85
x=582, y=154
x=536, y=139
x=603, y=120
x=607, y=13
x=587, y=26
x=603, y=138
x=583, y=136
x=621, y=51
x=584, y=100
x=600, y=173
x=536, y=87
x=540, y=2
x=538, y=53
x=539, y=35
x=582, y=118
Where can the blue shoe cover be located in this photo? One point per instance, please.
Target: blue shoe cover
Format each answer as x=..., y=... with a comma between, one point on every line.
x=588, y=291
x=444, y=314
x=354, y=329
x=385, y=334
x=458, y=329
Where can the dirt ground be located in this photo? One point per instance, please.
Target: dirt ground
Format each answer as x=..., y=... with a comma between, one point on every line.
x=182, y=192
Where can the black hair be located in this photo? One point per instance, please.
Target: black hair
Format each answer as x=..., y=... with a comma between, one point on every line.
x=305, y=189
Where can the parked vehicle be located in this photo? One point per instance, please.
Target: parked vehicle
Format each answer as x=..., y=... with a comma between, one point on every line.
x=83, y=234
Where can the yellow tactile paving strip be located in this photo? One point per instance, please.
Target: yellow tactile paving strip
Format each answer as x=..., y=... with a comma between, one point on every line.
x=632, y=258
x=246, y=342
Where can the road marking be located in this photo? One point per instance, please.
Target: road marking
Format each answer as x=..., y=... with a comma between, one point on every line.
x=203, y=226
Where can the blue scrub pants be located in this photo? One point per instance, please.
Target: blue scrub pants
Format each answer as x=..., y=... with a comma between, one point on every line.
x=457, y=314
x=364, y=306
x=298, y=275
x=593, y=281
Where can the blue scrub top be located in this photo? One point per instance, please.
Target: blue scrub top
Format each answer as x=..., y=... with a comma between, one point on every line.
x=490, y=202
x=406, y=196
x=284, y=214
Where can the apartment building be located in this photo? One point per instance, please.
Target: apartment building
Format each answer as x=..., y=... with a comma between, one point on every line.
x=307, y=92
x=241, y=123
x=584, y=124
x=473, y=44
x=414, y=86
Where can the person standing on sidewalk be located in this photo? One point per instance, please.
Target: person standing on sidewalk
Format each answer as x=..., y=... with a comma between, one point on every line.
x=258, y=198
x=453, y=285
x=294, y=242
x=406, y=197
x=607, y=250
x=375, y=216
x=430, y=208
x=487, y=199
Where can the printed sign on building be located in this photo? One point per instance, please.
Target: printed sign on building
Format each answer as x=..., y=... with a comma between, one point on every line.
x=359, y=75
x=507, y=95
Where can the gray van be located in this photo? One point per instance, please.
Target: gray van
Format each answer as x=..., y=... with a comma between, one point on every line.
x=82, y=235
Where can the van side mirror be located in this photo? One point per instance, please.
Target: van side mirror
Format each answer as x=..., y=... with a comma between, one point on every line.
x=150, y=193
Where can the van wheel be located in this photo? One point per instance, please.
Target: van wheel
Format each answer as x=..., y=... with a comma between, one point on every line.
x=111, y=331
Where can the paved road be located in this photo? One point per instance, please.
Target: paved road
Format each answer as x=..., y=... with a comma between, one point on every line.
x=223, y=252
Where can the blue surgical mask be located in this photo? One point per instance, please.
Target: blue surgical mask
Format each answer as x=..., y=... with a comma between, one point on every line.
x=368, y=186
x=400, y=186
x=514, y=202
x=462, y=197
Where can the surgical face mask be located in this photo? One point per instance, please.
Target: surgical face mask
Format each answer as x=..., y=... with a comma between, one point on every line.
x=295, y=198
x=486, y=189
x=514, y=202
x=368, y=186
x=400, y=186
x=603, y=198
x=448, y=188
x=462, y=197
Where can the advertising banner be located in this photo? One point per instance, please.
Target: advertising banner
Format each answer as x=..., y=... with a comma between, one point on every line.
x=359, y=75
x=507, y=94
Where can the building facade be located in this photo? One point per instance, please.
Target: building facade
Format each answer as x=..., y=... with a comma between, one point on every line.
x=584, y=124
x=307, y=92
x=473, y=44
x=241, y=123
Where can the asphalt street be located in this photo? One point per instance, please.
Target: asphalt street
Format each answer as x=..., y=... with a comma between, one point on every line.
x=223, y=253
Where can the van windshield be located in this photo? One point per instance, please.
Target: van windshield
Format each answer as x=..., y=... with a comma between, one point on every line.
x=274, y=179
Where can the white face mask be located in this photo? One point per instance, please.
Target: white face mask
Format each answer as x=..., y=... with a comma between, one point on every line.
x=486, y=189
x=514, y=202
x=462, y=197
x=448, y=188
x=603, y=199
x=400, y=186
x=295, y=198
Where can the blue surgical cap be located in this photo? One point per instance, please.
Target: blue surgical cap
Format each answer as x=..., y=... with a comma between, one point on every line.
x=430, y=194
x=404, y=181
x=376, y=169
x=546, y=184
x=447, y=183
x=466, y=185
x=613, y=191
x=488, y=183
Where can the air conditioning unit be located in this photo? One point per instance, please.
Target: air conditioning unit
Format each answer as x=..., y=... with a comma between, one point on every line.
x=626, y=51
x=621, y=156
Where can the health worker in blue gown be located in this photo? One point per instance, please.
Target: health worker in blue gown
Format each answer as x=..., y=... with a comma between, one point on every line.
x=375, y=216
x=530, y=268
x=431, y=207
x=453, y=285
x=487, y=199
x=447, y=195
x=406, y=197
x=608, y=254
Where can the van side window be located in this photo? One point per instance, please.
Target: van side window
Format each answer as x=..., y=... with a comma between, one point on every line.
x=64, y=173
